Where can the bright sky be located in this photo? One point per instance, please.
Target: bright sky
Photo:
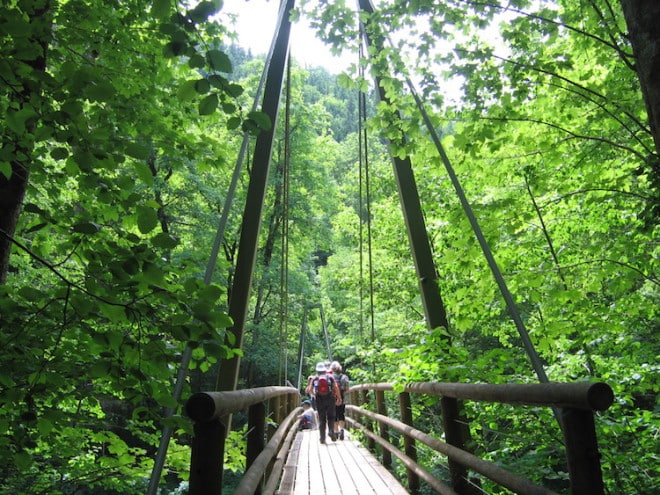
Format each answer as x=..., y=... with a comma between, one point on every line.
x=256, y=25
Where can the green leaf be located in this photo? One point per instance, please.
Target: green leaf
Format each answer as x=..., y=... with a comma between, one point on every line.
x=187, y=91
x=87, y=228
x=5, y=169
x=174, y=49
x=218, y=81
x=228, y=107
x=147, y=219
x=202, y=11
x=164, y=240
x=196, y=61
x=261, y=119
x=211, y=293
x=161, y=9
x=16, y=121
x=114, y=313
x=115, y=340
x=100, y=369
x=22, y=460
x=32, y=208
x=219, y=61
x=72, y=108
x=234, y=90
x=71, y=166
x=44, y=426
x=101, y=90
x=208, y=105
x=30, y=293
x=233, y=123
x=202, y=86
x=138, y=150
x=144, y=172
x=131, y=266
x=6, y=380
x=152, y=274
x=59, y=153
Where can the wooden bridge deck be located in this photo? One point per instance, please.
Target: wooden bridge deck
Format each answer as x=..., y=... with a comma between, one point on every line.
x=336, y=468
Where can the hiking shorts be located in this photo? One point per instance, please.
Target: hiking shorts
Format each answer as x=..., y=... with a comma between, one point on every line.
x=340, y=412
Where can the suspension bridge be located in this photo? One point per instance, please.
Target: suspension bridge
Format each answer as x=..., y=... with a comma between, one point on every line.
x=280, y=459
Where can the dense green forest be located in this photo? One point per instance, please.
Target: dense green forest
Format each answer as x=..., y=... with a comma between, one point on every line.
x=122, y=122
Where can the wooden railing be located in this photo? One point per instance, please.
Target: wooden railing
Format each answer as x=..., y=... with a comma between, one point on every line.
x=573, y=404
x=211, y=412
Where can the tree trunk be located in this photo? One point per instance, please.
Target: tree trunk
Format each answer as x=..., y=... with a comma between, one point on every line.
x=17, y=142
x=12, y=192
x=643, y=20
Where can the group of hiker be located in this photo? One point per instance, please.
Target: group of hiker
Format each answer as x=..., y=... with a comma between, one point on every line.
x=326, y=407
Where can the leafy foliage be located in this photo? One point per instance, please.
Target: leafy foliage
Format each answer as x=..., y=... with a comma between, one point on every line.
x=129, y=132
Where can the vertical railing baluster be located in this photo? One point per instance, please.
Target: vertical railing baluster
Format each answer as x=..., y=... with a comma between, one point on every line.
x=455, y=434
x=276, y=405
x=381, y=408
x=256, y=436
x=207, y=457
x=582, y=452
x=410, y=448
x=364, y=402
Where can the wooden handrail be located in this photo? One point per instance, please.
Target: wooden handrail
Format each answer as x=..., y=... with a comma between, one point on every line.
x=580, y=395
x=576, y=403
x=209, y=409
x=206, y=406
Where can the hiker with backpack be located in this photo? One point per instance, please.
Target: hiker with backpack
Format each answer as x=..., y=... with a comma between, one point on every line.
x=342, y=381
x=326, y=391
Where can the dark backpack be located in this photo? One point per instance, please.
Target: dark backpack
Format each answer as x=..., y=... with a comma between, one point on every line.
x=323, y=385
x=306, y=422
x=342, y=381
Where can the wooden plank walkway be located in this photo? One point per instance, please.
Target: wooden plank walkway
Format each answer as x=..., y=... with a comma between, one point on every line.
x=336, y=468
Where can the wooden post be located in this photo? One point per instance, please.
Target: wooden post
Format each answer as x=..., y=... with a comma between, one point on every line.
x=364, y=401
x=455, y=434
x=381, y=408
x=275, y=410
x=354, y=398
x=582, y=452
x=256, y=435
x=292, y=401
x=207, y=456
x=408, y=442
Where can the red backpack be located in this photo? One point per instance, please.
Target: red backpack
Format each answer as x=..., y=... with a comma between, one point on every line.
x=323, y=385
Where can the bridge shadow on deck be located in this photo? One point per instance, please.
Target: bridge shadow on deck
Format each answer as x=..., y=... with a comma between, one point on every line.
x=341, y=467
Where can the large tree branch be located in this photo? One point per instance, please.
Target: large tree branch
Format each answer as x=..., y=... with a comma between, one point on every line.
x=643, y=19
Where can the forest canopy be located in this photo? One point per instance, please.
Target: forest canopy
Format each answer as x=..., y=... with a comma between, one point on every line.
x=122, y=123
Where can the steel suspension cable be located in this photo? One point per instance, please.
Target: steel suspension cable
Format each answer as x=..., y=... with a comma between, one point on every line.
x=367, y=184
x=301, y=347
x=361, y=97
x=363, y=146
x=182, y=373
x=284, y=271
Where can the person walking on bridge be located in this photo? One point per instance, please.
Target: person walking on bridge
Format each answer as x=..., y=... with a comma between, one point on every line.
x=326, y=390
x=340, y=411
